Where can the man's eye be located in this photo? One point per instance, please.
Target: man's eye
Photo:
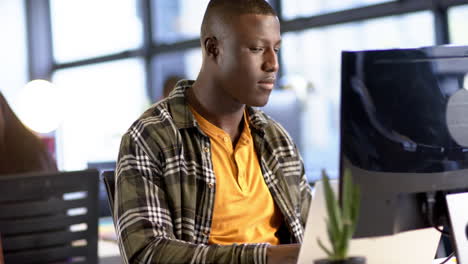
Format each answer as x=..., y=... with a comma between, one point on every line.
x=256, y=49
x=277, y=50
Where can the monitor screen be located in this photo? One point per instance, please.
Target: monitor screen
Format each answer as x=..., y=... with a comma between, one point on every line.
x=404, y=134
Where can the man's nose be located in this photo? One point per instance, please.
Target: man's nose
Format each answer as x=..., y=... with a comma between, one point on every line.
x=271, y=61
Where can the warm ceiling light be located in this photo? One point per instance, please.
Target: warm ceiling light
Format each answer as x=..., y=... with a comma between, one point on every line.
x=40, y=106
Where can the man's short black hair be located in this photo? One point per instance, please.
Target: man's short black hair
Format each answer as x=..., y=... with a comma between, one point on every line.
x=225, y=9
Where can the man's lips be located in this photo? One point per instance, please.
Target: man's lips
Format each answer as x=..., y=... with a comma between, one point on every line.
x=267, y=83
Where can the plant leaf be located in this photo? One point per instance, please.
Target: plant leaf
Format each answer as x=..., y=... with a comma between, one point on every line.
x=345, y=238
x=334, y=238
x=342, y=221
x=333, y=210
x=327, y=251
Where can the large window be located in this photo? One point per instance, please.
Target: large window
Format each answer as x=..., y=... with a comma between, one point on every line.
x=315, y=56
x=102, y=102
x=177, y=20
x=305, y=8
x=88, y=28
x=458, y=19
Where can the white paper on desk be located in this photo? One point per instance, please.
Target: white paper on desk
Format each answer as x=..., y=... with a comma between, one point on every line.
x=417, y=246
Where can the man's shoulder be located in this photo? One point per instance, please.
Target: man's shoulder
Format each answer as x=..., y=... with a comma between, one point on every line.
x=156, y=121
x=156, y=114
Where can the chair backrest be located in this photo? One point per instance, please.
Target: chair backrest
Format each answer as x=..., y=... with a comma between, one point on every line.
x=109, y=182
x=49, y=217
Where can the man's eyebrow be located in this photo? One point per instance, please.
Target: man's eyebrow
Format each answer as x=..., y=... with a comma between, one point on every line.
x=267, y=40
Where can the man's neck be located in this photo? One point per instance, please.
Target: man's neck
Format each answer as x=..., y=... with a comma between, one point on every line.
x=227, y=117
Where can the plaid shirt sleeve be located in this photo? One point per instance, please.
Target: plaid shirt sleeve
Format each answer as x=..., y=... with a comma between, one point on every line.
x=306, y=195
x=283, y=161
x=144, y=223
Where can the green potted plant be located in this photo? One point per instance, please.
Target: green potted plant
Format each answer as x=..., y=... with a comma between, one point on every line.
x=341, y=222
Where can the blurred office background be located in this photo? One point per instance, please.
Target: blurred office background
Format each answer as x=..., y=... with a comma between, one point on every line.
x=109, y=59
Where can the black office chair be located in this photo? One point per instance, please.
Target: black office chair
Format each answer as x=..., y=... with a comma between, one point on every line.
x=49, y=217
x=108, y=177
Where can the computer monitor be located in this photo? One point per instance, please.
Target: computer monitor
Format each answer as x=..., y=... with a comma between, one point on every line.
x=404, y=134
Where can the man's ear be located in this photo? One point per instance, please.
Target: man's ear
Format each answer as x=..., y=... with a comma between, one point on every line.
x=211, y=47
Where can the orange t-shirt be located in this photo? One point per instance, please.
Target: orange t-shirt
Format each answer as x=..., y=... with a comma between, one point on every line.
x=244, y=210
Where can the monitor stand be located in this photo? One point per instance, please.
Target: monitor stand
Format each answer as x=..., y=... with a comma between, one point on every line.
x=458, y=213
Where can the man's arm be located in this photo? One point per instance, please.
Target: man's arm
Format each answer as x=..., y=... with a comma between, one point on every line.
x=144, y=222
x=283, y=254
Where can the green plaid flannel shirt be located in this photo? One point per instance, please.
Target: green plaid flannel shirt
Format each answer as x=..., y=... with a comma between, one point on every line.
x=165, y=187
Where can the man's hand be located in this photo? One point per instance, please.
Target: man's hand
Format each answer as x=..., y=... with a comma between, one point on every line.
x=283, y=254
